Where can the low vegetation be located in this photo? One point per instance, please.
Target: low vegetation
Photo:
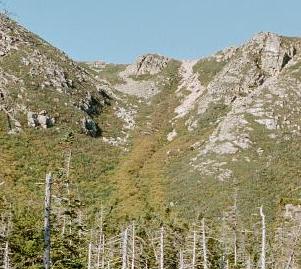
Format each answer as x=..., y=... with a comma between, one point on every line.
x=207, y=69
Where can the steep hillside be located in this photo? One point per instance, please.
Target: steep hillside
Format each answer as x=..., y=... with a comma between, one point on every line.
x=157, y=141
x=50, y=107
x=222, y=125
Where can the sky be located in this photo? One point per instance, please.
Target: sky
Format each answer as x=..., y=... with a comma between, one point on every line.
x=118, y=31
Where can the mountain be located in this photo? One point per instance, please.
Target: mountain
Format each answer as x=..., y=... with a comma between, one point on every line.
x=159, y=139
x=208, y=128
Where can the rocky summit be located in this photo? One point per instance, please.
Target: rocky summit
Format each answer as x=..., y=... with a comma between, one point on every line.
x=158, y=140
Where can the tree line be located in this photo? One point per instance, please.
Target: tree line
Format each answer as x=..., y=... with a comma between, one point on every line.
x=69, y=240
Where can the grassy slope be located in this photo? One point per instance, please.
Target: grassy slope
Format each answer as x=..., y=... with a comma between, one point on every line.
x=139, y=178
x=269, y=179
x=147, y=179
x=207, y=69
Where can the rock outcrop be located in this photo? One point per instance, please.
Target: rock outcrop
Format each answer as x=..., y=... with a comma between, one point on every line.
x=35, y=75
x=90, y=127
x=41, y=119
x=148, y=64
x=274, y=52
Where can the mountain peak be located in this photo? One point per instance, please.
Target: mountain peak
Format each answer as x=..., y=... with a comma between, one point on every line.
x=148, y=64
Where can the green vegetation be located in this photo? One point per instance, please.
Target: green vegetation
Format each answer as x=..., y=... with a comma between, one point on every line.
x=144, y=77
x=111, y=73
x=150, y=180
x=207, y=69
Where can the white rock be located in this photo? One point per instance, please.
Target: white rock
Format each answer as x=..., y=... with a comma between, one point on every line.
x=172, y=135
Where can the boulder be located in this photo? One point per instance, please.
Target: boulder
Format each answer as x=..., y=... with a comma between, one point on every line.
x=41, y=119
x=90, y=127
x=32, y=119
x=89, y=104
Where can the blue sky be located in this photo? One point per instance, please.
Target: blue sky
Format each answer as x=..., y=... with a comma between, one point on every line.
x=119, y=30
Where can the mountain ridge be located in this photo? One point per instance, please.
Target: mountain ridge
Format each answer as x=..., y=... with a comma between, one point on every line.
x=159, y=142
x=212, y=109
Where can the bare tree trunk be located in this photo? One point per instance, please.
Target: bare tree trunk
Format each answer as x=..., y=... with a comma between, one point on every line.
x=263, y=239
x=100, y=243
x=133, y=246
x=6, y=256
x=162, y=248
x=103, y=252
x=249, y=262
x=205, y=260
x=124, y=248
x=181, y=260
x=224, y=242
x=193, y=250
x=235, y=248
x=47, y=228
x=89, y=255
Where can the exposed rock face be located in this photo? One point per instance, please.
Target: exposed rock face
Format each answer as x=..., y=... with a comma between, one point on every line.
x=148, y=64
x=275, y=53
x=252, y=64
x=89, y=104
x=44, y=77
x=225, y=54
x=32, y=119
x=172, y=135
x=293, y=212
x=41, y=119
x=247, y=86
x=142, y=89
x=189, y=82
x=7, y=42
x=90, y=127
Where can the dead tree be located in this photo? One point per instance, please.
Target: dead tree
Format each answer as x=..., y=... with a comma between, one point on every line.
x=124, y=248
x=47, y=228
x=6, y=262
x=249, y=262
x=263, y=240
x=161, y=248
x=103, y=252
x=89, y=256
x=133, y=246
x=204, y=245
x=223, y=235
x=181, y=260
x=100, y=248
x=5, y=228
x=193, y=250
